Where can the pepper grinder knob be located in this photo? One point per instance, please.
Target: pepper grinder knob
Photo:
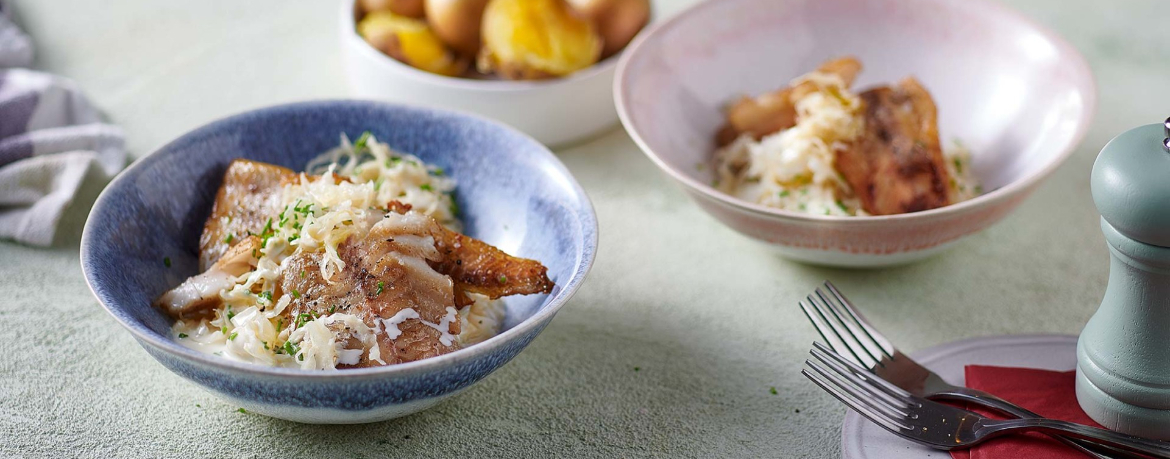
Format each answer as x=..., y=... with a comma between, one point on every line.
x=1123, y=354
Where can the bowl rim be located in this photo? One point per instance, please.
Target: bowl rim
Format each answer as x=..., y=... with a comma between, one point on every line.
x=583, y=210
x=1028, y=181
x=349, y=35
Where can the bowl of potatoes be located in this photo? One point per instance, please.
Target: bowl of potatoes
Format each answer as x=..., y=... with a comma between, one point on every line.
x=545, y=67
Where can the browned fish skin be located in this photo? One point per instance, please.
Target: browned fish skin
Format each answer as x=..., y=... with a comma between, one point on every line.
x=376, y=284
x=775, y=111
x=897, y=164
x=245, y=201
x=478, y=267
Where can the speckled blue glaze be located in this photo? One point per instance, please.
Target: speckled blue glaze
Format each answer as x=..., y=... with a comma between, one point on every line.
x=511, y=190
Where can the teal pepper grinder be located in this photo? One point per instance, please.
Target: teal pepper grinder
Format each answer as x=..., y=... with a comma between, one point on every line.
x=1123, y=355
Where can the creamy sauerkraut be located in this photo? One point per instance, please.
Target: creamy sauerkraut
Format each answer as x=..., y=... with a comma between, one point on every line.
x=316, y=215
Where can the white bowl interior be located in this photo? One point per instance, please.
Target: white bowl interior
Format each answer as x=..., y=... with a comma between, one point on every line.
x=1016, y=95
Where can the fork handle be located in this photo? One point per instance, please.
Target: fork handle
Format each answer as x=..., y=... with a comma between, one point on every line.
x=1131, y=443
x=986, y=400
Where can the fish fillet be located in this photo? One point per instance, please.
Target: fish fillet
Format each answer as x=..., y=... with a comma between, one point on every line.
x=897, y=166
x=249, y=196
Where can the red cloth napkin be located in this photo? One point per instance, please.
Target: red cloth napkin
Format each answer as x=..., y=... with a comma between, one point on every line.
x=1051, y=394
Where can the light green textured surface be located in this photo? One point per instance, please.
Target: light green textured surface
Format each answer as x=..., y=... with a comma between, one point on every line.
x=708, y=316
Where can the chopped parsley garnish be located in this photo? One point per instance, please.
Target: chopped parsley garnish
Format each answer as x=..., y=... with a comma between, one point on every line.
x=637, y=368
x=293, y=238
x=290, y=348
x=230, y=237
x=503, y=279
x=773, y=391
x=230, y=314
x=265, y=343
x=361, y=142
x=242, y=411
x=167, y=261
x=182, y=335
x=958, y=166
x=303, y=210
x=302, y=274
x=438, y=171
x=223, y=329
x=266, y=233
x=425, y=187
x=267, y=295
x=296, y=295
x=392, y=161
x=198, y=405
x=380, y=286
x=784, y=194
x=332, y=308
x=842, y=206
x=232, y=337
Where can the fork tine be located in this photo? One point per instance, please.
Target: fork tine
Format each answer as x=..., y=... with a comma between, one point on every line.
x=861, y=390
x=863, y=339
x=853, y=403
x=854, y=348
x=890, y=388
x=876, y=336
x=845, y=392
x=863, y=380
x=823, y=328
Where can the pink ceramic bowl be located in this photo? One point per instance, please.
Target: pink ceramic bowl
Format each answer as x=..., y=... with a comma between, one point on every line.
x=1017, y=95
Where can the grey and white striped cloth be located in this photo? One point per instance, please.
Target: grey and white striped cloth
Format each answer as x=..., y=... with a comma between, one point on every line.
x=50, y=137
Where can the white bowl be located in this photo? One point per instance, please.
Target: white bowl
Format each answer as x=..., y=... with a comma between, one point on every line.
x=554, y=112
x=1020, y=97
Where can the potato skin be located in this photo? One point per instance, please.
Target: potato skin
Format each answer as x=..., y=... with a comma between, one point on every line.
x=618, y=21
x=457, y=23
x=408, y=8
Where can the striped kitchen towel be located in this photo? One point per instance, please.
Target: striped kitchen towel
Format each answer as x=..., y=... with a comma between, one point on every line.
x=50, y=138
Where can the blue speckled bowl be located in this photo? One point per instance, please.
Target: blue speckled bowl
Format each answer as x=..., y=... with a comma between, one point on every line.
x=511, y=190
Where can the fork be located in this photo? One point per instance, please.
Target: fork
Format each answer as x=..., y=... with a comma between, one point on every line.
x=848, y=333
x=941, y=426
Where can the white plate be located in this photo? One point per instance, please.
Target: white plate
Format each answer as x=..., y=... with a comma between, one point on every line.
x=861, y=439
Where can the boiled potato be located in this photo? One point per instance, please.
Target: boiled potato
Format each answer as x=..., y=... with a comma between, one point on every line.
x=411, y=41
x=618, y=21
x=532, y=39
x=409, y=8
x=457, y=23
